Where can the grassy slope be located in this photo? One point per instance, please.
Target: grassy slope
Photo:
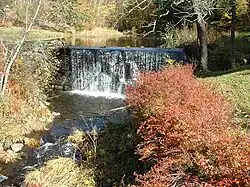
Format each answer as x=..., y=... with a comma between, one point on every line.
x=15, y=33
x=235, y=85
x=60, y=172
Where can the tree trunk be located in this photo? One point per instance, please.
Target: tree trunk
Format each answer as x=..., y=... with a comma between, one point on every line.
x=201, y=34
x=233, y=26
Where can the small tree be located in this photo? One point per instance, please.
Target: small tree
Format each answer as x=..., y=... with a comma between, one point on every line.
x=198, y=11
x=186, y=10
x=10, y=58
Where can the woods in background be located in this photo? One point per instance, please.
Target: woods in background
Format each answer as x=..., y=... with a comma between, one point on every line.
x=142, y=15
x=147, y=17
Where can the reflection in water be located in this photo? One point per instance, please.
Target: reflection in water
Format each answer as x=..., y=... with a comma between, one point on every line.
x=74, y=106
x=119, y=42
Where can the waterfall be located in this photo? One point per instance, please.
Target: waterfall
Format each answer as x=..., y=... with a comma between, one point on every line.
x=106, y=71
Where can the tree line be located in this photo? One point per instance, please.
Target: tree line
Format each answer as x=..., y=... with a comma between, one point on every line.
x=142, y=16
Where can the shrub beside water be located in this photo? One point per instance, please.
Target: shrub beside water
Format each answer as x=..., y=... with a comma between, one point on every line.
x=25, y=100
x=23, y=108
x=187, y=132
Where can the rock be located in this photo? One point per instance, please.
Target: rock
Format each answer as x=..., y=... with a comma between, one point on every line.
x=16, y=147
x=56, y=113
x=3, y=178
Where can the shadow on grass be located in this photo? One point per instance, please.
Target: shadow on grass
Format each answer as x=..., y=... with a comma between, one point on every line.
x=204, y=74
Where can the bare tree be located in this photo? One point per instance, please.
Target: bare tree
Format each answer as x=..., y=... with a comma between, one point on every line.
x=11, y=57
x=198, y=11
x=187, y=10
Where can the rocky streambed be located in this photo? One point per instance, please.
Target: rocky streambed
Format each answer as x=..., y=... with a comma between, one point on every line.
x=72, y=113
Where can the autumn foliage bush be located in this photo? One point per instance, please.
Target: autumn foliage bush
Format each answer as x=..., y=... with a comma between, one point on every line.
x=187, y=132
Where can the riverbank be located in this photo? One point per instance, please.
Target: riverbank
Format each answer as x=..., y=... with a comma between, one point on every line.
x=114, y=161
x=24, y=106
x=15, y=33
x=24, y=111
x=188, y=131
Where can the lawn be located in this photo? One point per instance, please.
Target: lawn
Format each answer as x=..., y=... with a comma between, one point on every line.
x=234, y=85
x=15, y=33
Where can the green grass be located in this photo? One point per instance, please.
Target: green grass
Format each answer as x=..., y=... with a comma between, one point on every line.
x=234, y=84
x=15, y=33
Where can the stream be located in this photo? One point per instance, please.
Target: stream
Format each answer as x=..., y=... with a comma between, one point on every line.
x=77, y=110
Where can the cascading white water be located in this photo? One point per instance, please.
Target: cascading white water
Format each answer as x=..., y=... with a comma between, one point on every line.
x=106, y=71
x=103, y=74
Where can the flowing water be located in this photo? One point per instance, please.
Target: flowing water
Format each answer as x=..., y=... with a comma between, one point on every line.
x=93, y=102
x=98, y=83
x=90, y=106
x=105, y=73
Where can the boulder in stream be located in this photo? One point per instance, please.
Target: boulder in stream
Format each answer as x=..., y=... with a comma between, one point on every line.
x=3, y=178
x=16, y=147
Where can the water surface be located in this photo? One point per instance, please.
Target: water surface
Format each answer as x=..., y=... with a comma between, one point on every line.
x=76, y=106
x=125, y=41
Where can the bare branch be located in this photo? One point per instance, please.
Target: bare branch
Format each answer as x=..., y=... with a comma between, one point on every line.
x=137, y=5
x=153, y=30
x=199, y=9
x=18, y=48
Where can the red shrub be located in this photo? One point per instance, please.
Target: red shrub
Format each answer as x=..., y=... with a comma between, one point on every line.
x=186, y=132
x=16, y=96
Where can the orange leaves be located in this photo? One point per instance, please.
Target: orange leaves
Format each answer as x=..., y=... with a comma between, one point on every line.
x=187, y=124
x=16, y=95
